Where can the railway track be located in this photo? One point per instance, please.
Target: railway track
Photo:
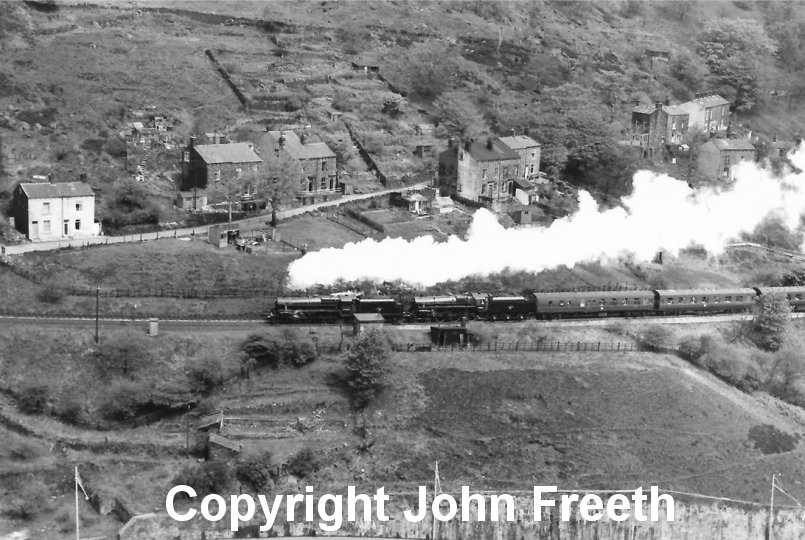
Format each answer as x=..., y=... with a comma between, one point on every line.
x=203, y=325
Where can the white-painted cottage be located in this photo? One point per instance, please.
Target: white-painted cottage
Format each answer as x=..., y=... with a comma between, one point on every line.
x=55, y=211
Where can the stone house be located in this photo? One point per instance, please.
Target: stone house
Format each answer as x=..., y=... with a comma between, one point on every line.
x=479, y=171
x=708, y=112
x=718, y=157
x=529, y=152
x=206, y=164
x=655, y=127
x=318, y=161
x=45, y=211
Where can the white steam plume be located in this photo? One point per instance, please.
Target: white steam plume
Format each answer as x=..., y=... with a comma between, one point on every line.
x=661, y=214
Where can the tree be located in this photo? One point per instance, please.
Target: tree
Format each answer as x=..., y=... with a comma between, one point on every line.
x=256, y=470
x=393, y=105
x=366, y=365
x=771, y=321
x=460, y=114
x=428, y=68
x=737, y=51
x=278, y=180
x=127, y=352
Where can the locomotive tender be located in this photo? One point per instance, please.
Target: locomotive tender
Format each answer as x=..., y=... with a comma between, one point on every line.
x=553, y=305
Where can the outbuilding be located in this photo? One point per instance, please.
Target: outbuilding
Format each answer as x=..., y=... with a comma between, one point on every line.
x=364, y=321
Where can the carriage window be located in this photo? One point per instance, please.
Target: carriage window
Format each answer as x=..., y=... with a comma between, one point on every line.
x=681, y=300
x=704, y=299
x=582, y=303
x=625, y=301
x=716, y=299
x=739, y=298
x=728, y=298
x=692, y=299
x=670, y=300
x=561, y=304
x=550, y=302
x=798, y=296
x=569, y=303
x=637, y=301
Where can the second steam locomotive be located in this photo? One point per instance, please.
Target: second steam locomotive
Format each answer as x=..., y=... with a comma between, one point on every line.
x=553, y=305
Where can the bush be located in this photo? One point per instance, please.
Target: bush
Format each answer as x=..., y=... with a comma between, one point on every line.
x=256, y=470
x=125, y=353
x=691, y=348
x=770, y=324
x=303, y=464
x=656, y=338
x=289, y=351
x=205, y=375
x=125, y=400
x=366, y=366
x=71, y=410
x=50, y=295
x=206, y=478
x=26, y=498
x=33, y=397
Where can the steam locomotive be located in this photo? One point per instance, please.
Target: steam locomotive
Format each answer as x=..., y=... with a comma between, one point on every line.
x=554, y=305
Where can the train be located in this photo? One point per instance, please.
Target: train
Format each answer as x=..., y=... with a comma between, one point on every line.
x=510, y=307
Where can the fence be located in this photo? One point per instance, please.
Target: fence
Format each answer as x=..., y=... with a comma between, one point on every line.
x=516, y=346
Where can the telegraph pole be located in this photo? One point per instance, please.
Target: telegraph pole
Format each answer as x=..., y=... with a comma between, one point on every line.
x=771, y=507
x=97, y=310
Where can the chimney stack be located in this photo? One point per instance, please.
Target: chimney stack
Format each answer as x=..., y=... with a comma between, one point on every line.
x=281, y=140
x=667, y=100
x=302, y=138
x=489, y=144
x=467, y=145
x=192, y=141
x=658, y=105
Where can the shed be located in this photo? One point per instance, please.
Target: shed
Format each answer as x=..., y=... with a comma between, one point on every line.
x=361, y=321
x=211, y=421
x=449, y=335
x=220, y=447
x=222, y=234
x=192, y=200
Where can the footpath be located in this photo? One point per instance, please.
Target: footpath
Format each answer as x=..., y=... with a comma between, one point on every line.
x=253, y=222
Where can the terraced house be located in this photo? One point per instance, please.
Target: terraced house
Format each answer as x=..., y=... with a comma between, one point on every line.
x=319, y=173
x=45, y=211
x=206, y=164
x=479, y=171
x=655, y=127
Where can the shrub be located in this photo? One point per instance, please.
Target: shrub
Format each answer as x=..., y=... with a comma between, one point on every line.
x=125, y=353
x=771, y=322
x=691, y=348
x=70, y=409
x=116, y=147
x=256, y=470
x=205, y=375
x=125, y=399
x=208, y=477
x=33, y=397
x=289, y=351
x=27, y=498
x=50, y=295
x=366, y=366
x=303, y=464
x=655, y=338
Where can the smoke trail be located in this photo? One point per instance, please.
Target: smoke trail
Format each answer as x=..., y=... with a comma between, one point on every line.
x=662, y=213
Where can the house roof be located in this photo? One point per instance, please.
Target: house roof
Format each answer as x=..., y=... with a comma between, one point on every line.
x=522, y=183
x=711, y=101
x=733, y=144
x=45, y=190
x=644, y=109
x=518, y=142
x=481, y=151
x=297, y=150
x=227, y=153
x=414, y=197
x=674, y=110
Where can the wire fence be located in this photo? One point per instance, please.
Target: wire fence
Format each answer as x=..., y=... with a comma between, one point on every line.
x=528, y=346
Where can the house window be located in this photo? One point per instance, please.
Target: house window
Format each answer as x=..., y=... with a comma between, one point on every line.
x=78, y=207
x=310, y=183
x=66, y=227
x=505, y=172
x=323, y=166
x=532, y=169
x=483, y=189
x=186, y=157
x=461, y=155
x=78, y=224
x=332, y=183
x=46, y=226
x=238, y=172
x=217, y=176
x=276, y=152
x=46, y=208
x=483, y=174
x=517, y=171
x=323, y=182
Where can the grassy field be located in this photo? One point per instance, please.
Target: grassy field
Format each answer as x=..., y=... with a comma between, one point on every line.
x=498, y=421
